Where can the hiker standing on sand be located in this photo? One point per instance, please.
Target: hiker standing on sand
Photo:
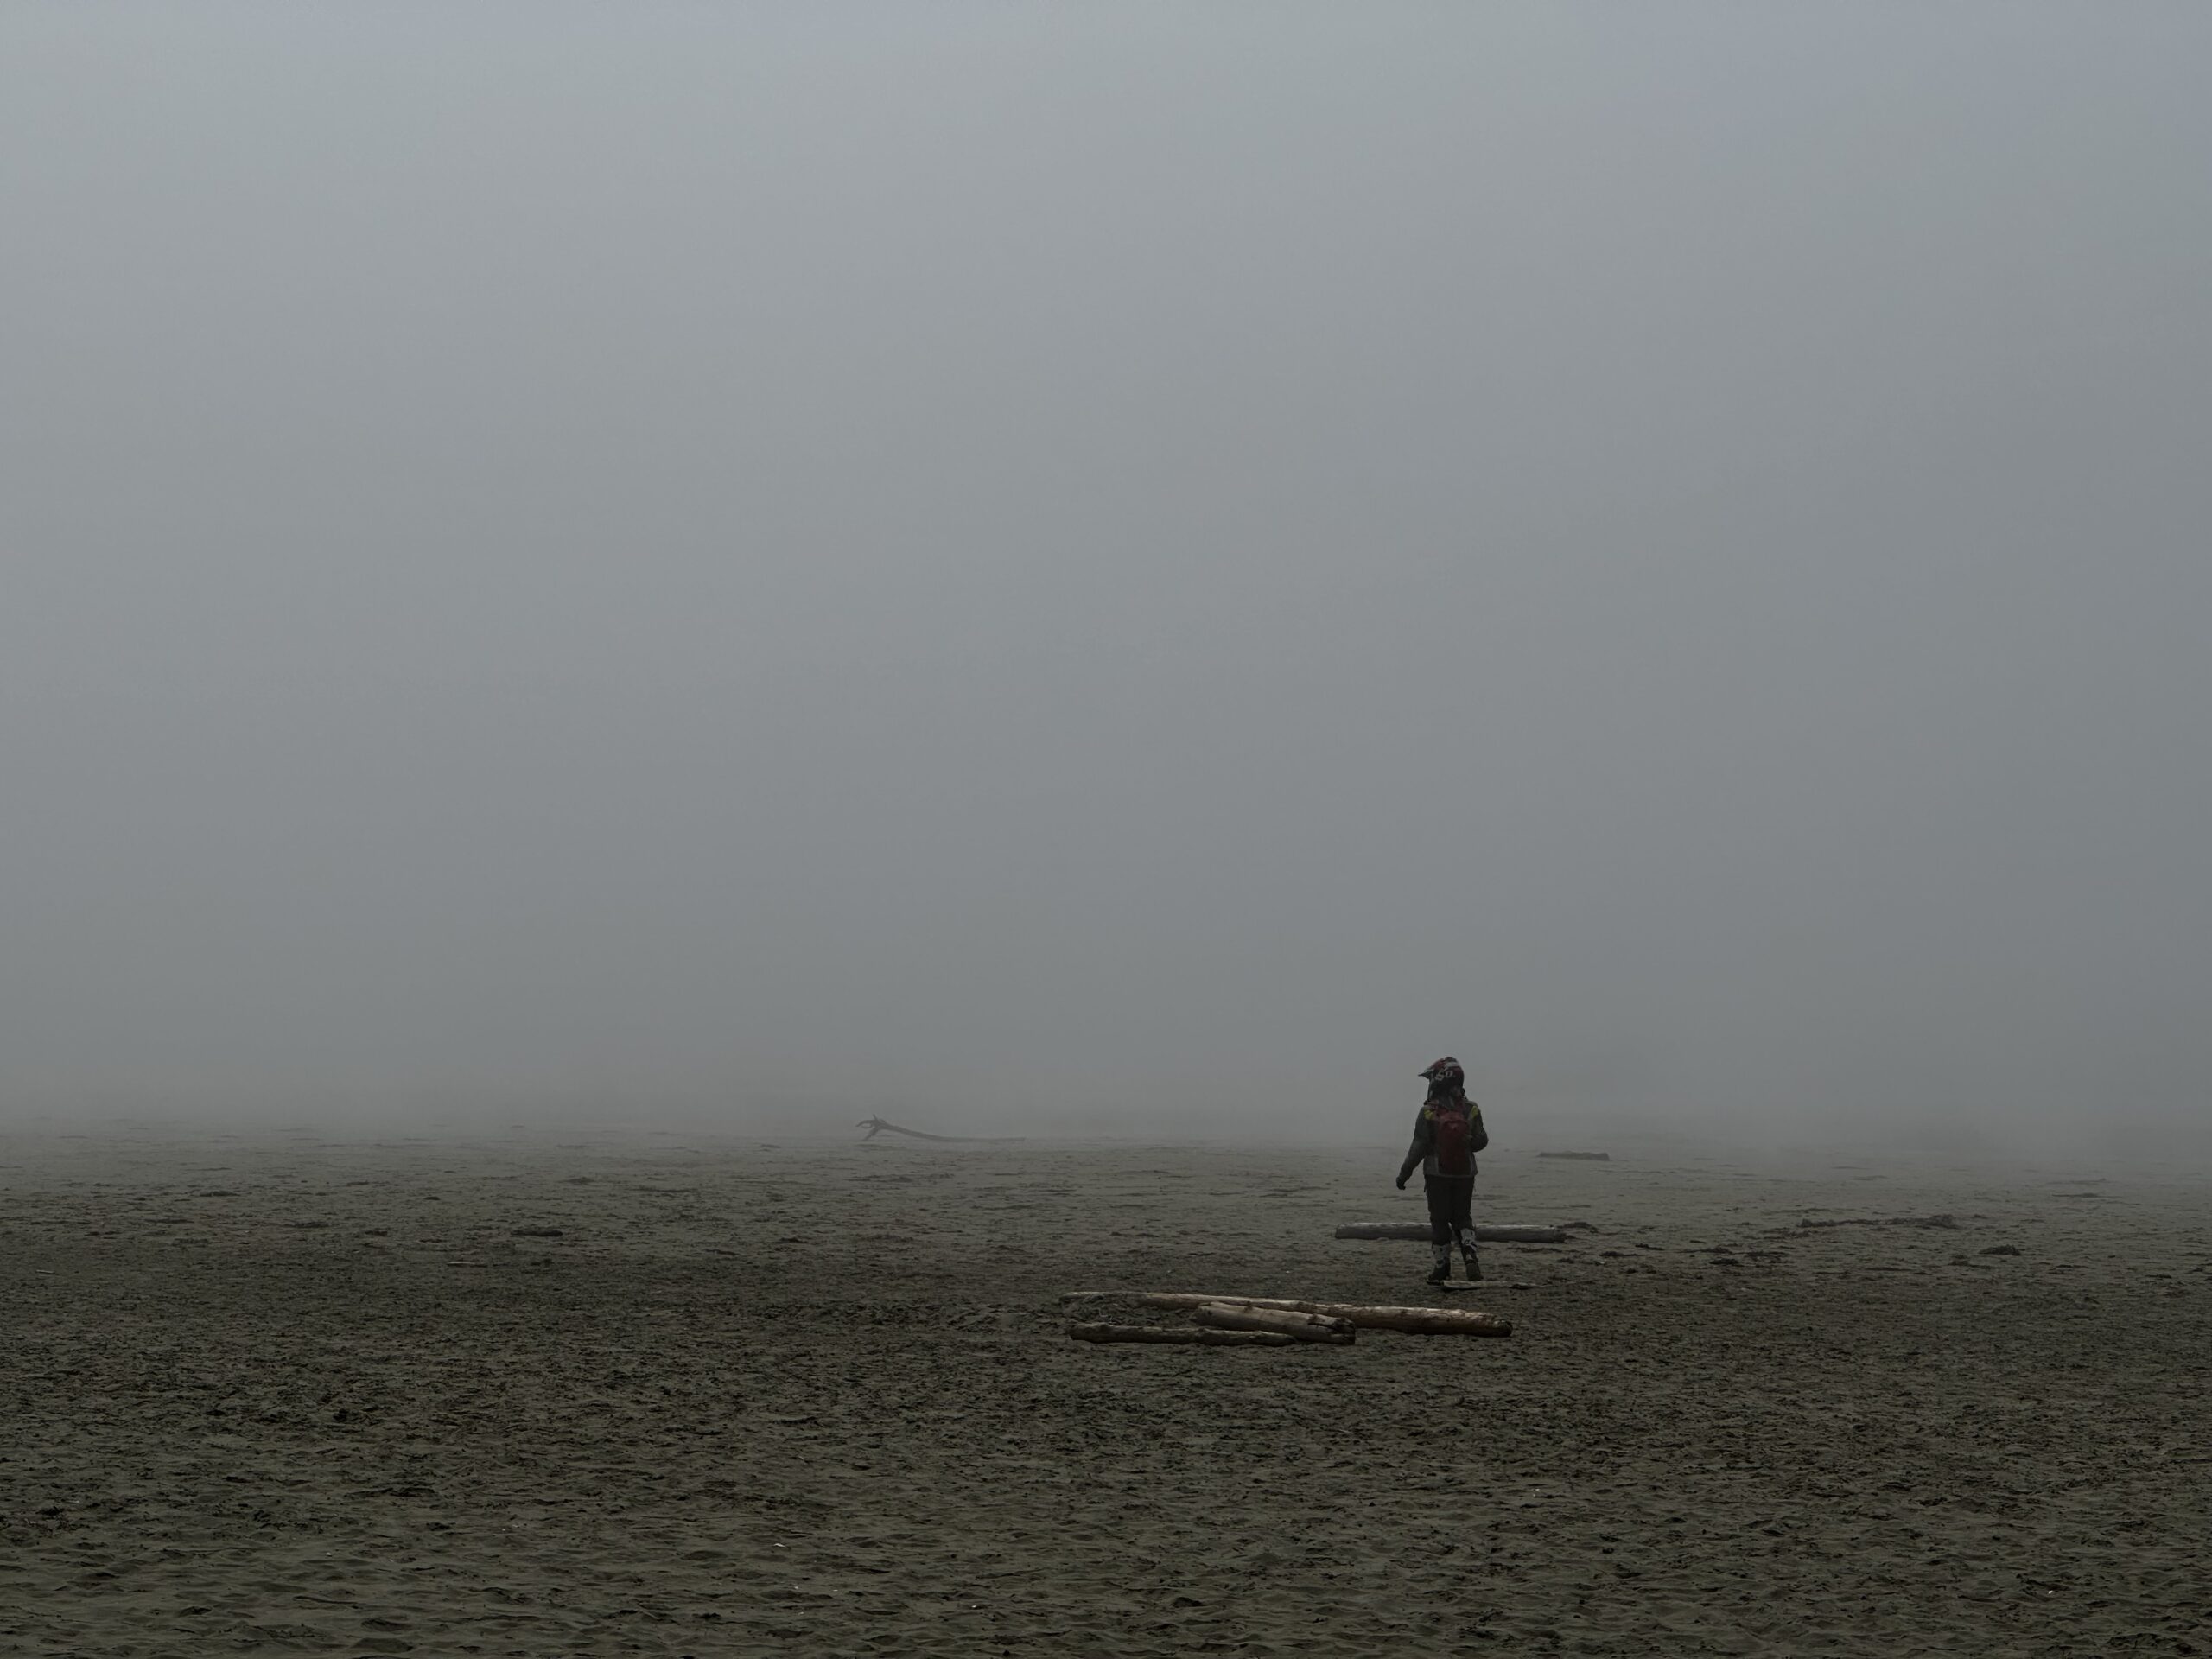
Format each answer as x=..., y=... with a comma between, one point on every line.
x=1446, y=1136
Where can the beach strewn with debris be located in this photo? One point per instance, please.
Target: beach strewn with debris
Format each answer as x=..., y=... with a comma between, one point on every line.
x=687, y=1396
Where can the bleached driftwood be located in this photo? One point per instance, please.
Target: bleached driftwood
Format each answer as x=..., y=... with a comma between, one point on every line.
x=1191, y=1334
x=1429, y=1321
x=1302, y=1327
x=1485, y=1232
x=1589, y=1157
x=876, y=1126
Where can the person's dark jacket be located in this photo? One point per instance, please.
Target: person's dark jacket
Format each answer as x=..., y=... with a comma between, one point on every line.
x=1423, y=1150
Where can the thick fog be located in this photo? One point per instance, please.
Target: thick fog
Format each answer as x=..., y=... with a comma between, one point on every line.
x=1109, y=569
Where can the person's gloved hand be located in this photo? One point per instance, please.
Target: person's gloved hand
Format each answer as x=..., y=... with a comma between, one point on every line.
x=1402, y=1183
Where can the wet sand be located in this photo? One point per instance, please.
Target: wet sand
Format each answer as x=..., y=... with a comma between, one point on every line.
x=519, y=1397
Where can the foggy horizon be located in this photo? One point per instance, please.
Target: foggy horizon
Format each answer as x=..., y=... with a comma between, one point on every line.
x=1096, y=571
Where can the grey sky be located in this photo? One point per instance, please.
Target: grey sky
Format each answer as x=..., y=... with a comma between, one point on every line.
x=1111, y=560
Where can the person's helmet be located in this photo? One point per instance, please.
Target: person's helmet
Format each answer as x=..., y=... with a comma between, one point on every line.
x=1445, y=1074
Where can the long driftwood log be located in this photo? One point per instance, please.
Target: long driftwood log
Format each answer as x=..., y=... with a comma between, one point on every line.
x=1423, y=1321
x=1302, y=1327
x=876, y=1126
x=1945, y=1222
x=1485, y=1233
x=1201, y=1334
x=1588, y=1157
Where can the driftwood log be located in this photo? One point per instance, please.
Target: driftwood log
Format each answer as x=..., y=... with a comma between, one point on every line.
x=876, y=1126
x=1947, y=1223
x=1302, y=1327
x=1211, y=1338
x=1423, y=1321
x=1591, y=1157
x=1484, y=1233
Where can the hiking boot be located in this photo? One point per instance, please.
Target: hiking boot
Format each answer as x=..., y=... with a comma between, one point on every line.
x=1474, y=1268
x=1442, y=1271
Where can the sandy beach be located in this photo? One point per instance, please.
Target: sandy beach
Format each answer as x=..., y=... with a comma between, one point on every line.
x=539, y=1396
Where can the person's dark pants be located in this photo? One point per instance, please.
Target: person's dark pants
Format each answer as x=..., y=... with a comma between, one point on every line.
x=1451, y=1208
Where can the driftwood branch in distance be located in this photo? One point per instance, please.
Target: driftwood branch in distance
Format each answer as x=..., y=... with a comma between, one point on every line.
x=876, y=1126
x=1485, y=1233
x=1591, y=1157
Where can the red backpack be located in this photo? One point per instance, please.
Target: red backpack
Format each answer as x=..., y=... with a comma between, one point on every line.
x=1454, y=1143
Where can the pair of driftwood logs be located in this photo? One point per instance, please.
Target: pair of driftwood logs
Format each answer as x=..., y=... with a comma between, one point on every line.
x=1270, y=1322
